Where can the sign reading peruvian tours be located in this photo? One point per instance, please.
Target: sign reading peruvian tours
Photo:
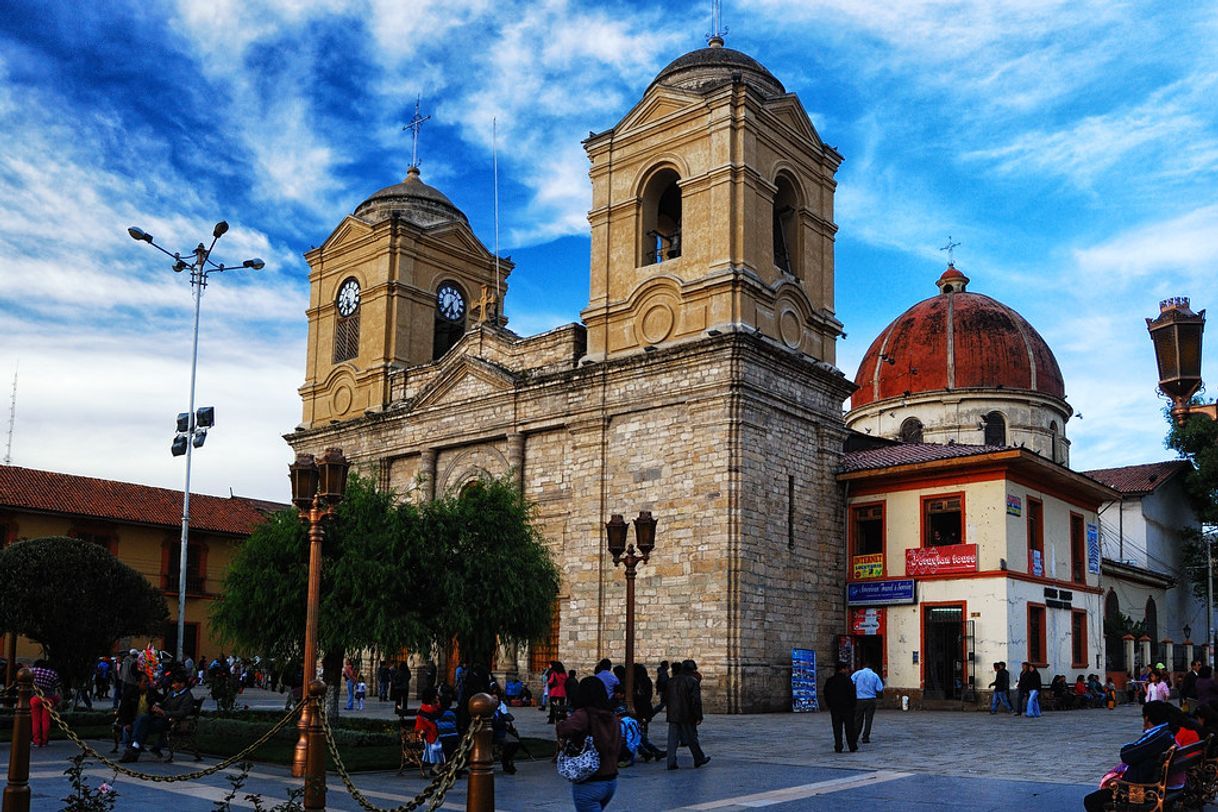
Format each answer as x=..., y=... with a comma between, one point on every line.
x=941, y=560
x=868, y=566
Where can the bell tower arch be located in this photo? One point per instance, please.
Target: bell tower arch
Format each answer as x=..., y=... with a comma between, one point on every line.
x=717, y=185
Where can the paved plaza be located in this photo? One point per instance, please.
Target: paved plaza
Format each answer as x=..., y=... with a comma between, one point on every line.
x=916, y=760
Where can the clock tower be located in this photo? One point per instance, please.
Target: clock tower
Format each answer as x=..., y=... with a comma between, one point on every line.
x=389, y=289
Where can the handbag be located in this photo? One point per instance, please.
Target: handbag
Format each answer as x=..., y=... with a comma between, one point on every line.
x=577, y=766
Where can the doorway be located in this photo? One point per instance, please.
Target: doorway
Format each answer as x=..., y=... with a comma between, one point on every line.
x=943, y=652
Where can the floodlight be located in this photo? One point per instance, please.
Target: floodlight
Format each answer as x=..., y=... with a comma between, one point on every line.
x=206, y=417
x=179, y=445
x=183, y=422
x=200, y=438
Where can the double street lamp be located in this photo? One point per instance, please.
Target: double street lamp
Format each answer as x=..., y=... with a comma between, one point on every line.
x=645, y=535
x=192, y=425
x=317, y=490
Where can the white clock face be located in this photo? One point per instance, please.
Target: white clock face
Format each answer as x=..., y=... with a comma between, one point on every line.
x=348, y=297
x=450, y=302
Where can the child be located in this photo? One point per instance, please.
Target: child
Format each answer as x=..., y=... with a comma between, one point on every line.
x=426, y=723
x=361, y=691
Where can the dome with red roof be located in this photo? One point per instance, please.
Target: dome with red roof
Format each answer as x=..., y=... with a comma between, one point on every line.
x=957, y=340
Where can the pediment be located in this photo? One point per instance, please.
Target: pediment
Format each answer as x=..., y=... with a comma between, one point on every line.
x=351, y=228
x=460, y=235
x=656, y=104
x=791, y=112
x=466, y=379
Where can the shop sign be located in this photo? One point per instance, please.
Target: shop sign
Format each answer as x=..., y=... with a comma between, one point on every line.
x=1038, y=563
x=868, y=566
x=881, y=593
x=1014, y=506
x=1093, y=549
x=867, y=620
x=803, y=680
x=944, y=560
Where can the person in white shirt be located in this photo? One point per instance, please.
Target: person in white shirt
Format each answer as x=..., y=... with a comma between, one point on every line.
x=868, y=688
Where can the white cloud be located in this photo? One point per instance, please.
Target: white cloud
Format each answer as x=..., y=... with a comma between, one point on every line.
x=1179, y=250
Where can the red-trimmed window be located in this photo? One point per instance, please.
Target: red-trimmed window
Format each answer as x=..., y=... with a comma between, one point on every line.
x=102, y=536
x=1037, y=635
x=1078, y=550
x=943, y=520
x=867, y=529
x=1078, y=639
x=1036, y=538
x=196, y=567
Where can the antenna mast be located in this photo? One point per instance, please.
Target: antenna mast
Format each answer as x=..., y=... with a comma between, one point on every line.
x=12, y=417
x=495, y=165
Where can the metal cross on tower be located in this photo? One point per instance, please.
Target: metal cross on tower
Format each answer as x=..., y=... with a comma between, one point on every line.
x=950, y=248
x=414, y=125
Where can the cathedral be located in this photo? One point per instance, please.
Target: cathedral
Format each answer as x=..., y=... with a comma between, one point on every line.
x=700, y=383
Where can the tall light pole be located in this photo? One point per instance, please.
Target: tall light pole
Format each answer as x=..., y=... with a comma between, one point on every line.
x=192, y=427
x=645, y=534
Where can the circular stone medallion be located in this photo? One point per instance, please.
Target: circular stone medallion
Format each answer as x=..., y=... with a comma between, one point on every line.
x=340, y=401
x=657, y=323
x=790, y=329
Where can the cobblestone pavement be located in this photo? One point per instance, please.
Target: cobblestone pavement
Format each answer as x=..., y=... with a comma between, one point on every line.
x=916, y=760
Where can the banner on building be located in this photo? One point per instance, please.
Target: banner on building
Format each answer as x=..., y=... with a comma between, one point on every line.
x=803, y=681
x=952, y=558
x=868, y=566
x=1093, y=549
x=880, y=593
x=867, y=620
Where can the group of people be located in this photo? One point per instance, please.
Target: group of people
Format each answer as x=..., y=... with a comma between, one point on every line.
x=1085, y=692
x=852, y=699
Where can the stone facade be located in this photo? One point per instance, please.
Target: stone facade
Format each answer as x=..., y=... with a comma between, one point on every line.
x=700, y=386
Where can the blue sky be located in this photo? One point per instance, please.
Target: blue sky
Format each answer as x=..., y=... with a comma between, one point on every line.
x=1071, y=147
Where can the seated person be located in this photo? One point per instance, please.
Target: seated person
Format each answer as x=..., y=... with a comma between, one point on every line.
x=177, y=704
x=1081, y=694
x=1096, y=689
x=1062, y=694
x=1142, y=758
x=426, y=722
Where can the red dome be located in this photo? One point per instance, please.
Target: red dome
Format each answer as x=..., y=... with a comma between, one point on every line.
x=991, y=347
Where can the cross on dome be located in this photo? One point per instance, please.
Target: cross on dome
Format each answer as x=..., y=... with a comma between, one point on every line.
x=414, y=125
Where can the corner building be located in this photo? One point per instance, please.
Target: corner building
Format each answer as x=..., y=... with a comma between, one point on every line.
x=700, y=384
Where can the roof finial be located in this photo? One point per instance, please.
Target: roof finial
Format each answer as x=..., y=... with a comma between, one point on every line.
x=414, y=125
x=715, y=38
x=950, y=248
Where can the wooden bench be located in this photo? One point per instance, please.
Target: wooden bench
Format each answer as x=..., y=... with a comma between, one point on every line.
x=182, y=733
x=1128, y=796
x=412, y=748
x=1202, y=787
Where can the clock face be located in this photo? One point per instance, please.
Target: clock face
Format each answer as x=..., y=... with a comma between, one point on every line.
x=450, y=302
x=348, y=297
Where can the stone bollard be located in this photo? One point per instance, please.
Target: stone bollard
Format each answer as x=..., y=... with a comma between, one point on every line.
x=315, y=761
x=480, y=792
x=17, y=791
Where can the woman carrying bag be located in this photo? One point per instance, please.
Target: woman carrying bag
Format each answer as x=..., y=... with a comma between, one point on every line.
x=592, y=718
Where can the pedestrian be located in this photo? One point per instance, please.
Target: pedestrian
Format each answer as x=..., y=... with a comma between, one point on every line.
x=1034, y=686
x=1141, y=759
x=401, y=688
x=101, y=678
x=1207, y=690
x=384, y=675
x=1156, y=690
x=661, y=685
x=868, y=688
x=1188, y=689
x=1027, y=676
x=502, y=728
x=46, y=679
x=349, y=677
x=684, y=714
x=593, y=716
x=840, y=697
x=557, y=686
x=361, y=691
x=545, y=687
x=643, y=712
x=1002, y=689
x=604, y=672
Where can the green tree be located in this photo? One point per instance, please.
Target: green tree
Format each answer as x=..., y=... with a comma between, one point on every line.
x=372, y=583
x=1197, y=441
x=496, y=577
x=76, y=600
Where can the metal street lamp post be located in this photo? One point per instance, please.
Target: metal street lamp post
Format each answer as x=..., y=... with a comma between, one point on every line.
x=317, y=489
x=192, y=430
x=645, y=535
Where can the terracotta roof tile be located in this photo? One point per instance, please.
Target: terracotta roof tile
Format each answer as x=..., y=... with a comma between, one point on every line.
x=911, y=453
x=1138, y=480
x=50, y=492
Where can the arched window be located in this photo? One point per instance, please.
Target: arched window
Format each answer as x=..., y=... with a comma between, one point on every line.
x=911, y=430
x=995, y=429
x=661, y=239
x=784, y=226
x=450, y=318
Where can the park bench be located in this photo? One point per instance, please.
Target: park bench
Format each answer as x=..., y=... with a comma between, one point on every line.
x=1128, y=796
x=182, y=733
x=1202, y=787
x=412, y=747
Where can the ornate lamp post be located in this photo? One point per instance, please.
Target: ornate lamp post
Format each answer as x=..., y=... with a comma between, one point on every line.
x=317, y=488
x=645, y=535
x=192, y=425
x=1176, y=334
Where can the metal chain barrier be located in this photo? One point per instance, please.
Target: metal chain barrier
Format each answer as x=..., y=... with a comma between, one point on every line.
x=433, y=792
x=167, y=779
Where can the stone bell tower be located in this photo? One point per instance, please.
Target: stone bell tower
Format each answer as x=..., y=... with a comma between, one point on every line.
x=712, y=212
x=396, y=285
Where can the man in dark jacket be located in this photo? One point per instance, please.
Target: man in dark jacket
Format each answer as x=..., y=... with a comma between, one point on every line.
x=1144, y=756
x=1029, y=681
x=840, y=698
x=684, y=700
x=1002, y=689
x=177, y=704
x=1188, y=690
